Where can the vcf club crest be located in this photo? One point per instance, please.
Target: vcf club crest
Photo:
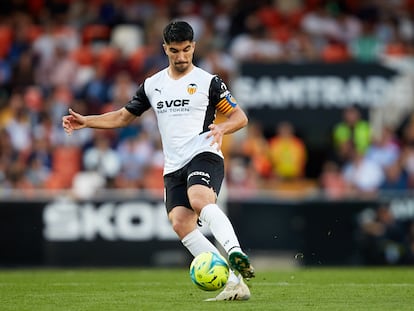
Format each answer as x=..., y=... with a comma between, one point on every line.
x=191, y=88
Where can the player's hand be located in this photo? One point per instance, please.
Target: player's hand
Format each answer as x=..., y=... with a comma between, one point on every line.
x=217, y=133
x=73, y=121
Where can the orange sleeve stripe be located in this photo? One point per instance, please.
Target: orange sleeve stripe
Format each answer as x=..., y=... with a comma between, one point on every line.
x=221, y=102
x=224, y=108
x=227, y=109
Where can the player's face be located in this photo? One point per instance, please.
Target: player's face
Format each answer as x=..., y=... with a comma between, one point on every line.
x=180, y=55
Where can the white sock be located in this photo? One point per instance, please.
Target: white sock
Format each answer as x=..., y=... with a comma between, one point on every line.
x=197, y=243
x=220, y=227
x=233, y=277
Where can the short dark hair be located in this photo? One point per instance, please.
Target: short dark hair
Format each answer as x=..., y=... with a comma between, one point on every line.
x=178, y=31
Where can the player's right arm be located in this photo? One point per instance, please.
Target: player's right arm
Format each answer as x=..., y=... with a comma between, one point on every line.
x=109, y=120
x=113, y=119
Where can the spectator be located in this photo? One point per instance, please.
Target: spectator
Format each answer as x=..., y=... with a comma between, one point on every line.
x=102, y=158
x=242, y=178
x=115, y=63
x=363, y=176
x=410, y=242
x=384, y=149
x=407, y=152
x=37, y=173
x=155, y=59
x=7, y=156
x=60, y=99
x=300, y=48
x=348, y=28
x=95, y=92
x=41, y=153
x=395, y=178
x=5, y=73
x=352, y=131
x=366, y=47
x=248, y=162
x=334, y=51
x=255, y=44
x=318, y=24
x=217, y=60
x=153, y=180
x=136, y=156
x=382, y=237
x=19, y=130
x=122, y=88
x=16, y=176
x=61, y=68
x=254, y=149
x=52, y=49
x=288, y=153
x=87, y=183
x=34, y=104
x=407, y=158
x=332, y=182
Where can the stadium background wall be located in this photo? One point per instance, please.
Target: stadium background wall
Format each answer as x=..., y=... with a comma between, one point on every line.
x=137, y=232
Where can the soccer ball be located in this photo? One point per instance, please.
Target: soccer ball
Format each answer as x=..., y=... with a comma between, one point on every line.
x=209, y=271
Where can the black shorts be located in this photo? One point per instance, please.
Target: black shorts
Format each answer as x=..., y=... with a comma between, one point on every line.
x=205, y=169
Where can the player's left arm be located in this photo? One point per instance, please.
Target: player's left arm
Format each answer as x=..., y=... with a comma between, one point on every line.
x=226, y=104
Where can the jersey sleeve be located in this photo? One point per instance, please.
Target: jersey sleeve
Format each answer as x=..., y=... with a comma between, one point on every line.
x=220, y=96
x=139, y=103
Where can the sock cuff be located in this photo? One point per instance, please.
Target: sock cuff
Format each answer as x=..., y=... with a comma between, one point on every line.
x=206, y=209
x=235, y=248
x=189, y=236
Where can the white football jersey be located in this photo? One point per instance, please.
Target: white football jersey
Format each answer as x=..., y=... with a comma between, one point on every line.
x=184, y=109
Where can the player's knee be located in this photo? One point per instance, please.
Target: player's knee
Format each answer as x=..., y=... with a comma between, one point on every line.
x=197, y=204
x=182, y=228
x=183, y=221
x=199, y=196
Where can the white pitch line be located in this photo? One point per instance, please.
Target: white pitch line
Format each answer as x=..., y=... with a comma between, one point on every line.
x=335, y=284
x=132, y=283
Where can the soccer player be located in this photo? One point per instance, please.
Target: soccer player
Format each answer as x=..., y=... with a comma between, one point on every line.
x=185, y=99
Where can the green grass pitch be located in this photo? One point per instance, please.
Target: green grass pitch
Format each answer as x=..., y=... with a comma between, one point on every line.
x=163, y=289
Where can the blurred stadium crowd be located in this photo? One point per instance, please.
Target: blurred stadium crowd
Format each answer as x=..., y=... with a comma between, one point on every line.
x=91, y=55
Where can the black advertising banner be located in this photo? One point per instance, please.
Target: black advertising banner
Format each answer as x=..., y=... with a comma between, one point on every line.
x=64, y=232
x=137, y=233
x=311, y=85
x=21, y=233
